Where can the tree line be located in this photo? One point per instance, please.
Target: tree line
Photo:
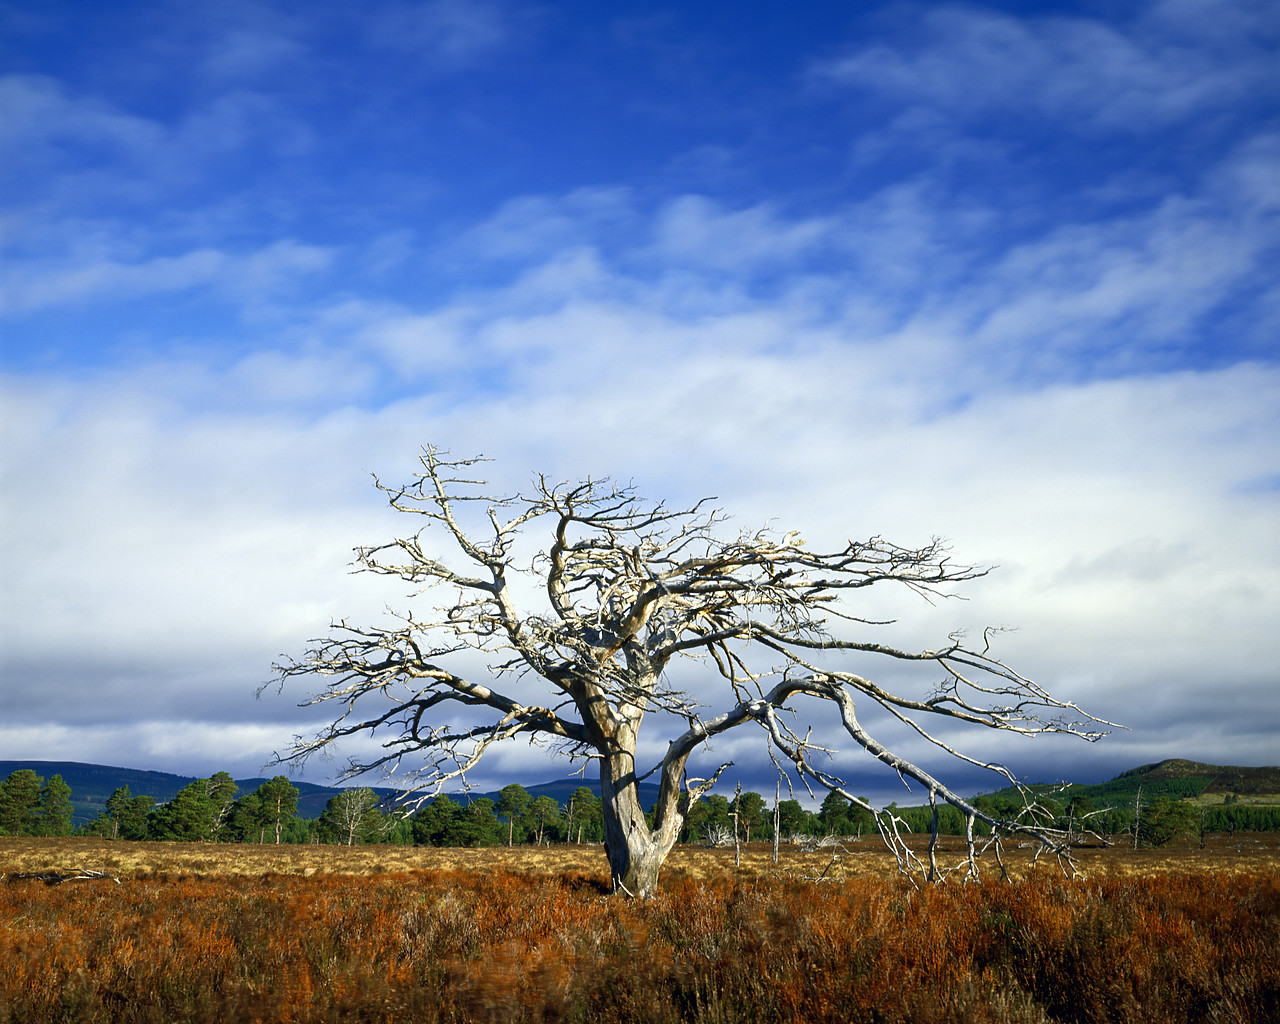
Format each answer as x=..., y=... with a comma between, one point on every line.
x=213, y=810
x=1161, y=820
x=30, y=806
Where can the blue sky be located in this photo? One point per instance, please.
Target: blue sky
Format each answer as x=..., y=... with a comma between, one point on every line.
x=1005, y=273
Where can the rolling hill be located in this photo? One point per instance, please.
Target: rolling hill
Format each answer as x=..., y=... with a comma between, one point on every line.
x=1180, y=779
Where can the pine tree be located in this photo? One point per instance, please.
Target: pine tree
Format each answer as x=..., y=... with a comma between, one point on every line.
x=221, y=790
x=543, y=813
x=125, y=816
x=513, y=801
x=750, y=808
x=585, y=817
x=188, y=817
x=279, y=802
x=53, y=811
x=19, y=803
x=247, y=821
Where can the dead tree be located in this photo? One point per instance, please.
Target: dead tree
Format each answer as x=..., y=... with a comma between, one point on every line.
x=579, y=640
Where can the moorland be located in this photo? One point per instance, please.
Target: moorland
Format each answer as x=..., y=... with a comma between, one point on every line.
x=209, y=932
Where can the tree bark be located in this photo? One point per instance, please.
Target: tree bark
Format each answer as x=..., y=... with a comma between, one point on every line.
x=635, y=851
x=777, y=815
x=737, y=848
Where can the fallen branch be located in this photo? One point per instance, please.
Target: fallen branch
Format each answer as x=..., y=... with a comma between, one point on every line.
x=54, y=877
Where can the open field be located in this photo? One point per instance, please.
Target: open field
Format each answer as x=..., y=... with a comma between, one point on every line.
x=1245, y=852
x=1210, y=798
x=243, y=933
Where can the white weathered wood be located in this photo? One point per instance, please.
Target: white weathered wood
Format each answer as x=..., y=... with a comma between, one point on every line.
x=56, y=876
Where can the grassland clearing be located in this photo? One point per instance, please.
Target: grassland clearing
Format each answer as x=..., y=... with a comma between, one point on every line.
x=1245, y=851
x=207, y=933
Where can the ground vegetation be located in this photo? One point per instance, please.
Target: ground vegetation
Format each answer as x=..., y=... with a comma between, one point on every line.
x=527, y=934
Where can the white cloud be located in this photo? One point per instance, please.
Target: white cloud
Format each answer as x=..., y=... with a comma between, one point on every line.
x=907, y=268
x=38, y=114
x=173, y=543
x=1088, y=401
x=68, y=152
x=695, y=230
x=1085, y=74
x=251, y=276
x=192, y=747
x=110, y=279
x=532, y=226
x=1116, y=292
x=246, y=52
x=448, y=33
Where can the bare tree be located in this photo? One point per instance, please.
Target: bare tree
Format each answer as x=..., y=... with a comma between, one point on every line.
x=355, y=815
x=625, y=589
x=777, y=795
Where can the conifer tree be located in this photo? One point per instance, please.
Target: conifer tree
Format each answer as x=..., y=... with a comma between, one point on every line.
x=19, y=803
x=54, y=810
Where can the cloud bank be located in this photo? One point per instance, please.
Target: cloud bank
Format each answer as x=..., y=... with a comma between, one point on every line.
x=1051, y=340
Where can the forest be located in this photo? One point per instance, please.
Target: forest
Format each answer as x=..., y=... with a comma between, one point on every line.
x=214, y=810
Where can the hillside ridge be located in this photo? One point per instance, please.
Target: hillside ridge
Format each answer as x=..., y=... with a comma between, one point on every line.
x=1238, y=779
x=1174, y=779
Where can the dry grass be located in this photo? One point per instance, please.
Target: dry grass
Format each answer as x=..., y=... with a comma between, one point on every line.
x=1246, y=852
x=144, y=860
x=197, y=934
x=498, y=946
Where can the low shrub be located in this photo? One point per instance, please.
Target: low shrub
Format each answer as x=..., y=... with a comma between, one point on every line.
x=505, y=945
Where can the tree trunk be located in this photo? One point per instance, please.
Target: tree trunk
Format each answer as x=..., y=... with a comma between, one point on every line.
x=737, y=803
x=635, y=851
x=777, y=793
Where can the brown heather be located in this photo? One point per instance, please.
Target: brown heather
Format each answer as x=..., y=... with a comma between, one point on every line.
x=253, y=933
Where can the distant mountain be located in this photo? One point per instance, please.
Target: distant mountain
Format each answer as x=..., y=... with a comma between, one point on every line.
x=1178, y=779
x=92, y=785
x=1223, y=779
x=95, y=782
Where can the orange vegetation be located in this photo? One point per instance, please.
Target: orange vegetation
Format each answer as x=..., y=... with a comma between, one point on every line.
x=534, y=944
